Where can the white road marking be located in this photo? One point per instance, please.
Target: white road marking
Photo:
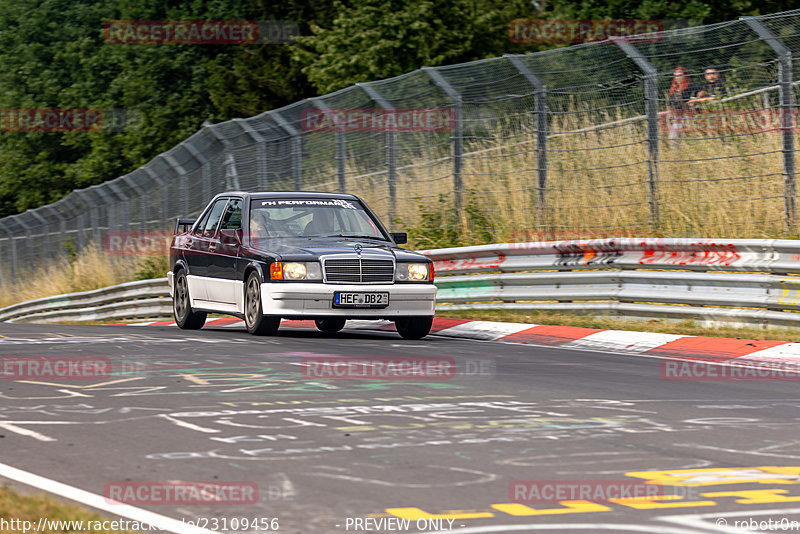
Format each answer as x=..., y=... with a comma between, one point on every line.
x=486, y=330
x=26, y=432
x=190, y=426
x=99, y=502
x=623, y=340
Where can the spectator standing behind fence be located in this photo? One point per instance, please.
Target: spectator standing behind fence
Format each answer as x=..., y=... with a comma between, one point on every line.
x=712, y=88
x=680, y=102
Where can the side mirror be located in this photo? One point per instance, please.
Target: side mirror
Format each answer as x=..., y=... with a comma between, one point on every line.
x=401, y=238
x=186, y=223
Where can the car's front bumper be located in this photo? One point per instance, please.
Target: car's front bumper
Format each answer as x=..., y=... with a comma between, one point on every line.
x=299, y=299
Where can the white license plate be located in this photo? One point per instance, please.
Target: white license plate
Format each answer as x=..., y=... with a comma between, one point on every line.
x=347, y=299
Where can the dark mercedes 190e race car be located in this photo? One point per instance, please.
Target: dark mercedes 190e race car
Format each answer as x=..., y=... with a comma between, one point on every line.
x=326, y=257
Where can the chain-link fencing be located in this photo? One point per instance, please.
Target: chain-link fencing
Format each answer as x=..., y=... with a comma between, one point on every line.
x=614, y=138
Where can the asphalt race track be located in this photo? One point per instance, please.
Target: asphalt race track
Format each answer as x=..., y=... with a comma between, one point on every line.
x=334, y=455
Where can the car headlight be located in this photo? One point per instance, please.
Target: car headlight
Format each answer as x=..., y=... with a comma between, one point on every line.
x=296, y=270
x=412, y=272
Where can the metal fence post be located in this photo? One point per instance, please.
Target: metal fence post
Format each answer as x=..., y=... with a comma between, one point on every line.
x=787, y=114
x=196, y=154
x=13, y=249
x=297, y=148
x=458, y=133
x=391, y=148
x=540, y=111
x=341, y=146
x=164, y=200
x=128, y=179
x=124, y=218
x=183, y=185
x=651, y=112
x=262, y=166
x=231, y=173
x=104, y=197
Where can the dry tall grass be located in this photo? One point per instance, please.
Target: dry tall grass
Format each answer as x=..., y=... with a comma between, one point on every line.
x=597, y=186
x=92, y=268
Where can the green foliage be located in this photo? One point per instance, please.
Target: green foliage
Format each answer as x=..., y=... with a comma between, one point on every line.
x=441, y=226
x=53, y=55
x=152, y=266
x=373, y=39
x=71, y=250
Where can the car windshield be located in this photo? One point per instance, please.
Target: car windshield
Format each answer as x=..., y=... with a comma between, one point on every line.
x=313, y=217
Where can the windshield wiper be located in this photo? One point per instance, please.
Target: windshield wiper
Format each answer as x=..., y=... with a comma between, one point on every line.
x=357, y=236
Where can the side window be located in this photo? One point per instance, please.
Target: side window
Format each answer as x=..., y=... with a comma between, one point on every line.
x=232, y=220
x=198, y=227
x=213, y=219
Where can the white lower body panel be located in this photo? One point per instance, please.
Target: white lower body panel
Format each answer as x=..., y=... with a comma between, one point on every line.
x=315, y=300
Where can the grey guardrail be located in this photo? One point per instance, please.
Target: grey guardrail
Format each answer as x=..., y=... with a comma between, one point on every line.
x=739, y=281
x=132, y=300
x=743, y=281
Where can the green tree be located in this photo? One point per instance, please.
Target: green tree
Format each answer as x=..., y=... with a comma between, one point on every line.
x=373, y=39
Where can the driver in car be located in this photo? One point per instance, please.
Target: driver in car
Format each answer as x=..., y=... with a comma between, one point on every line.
x=321, y=223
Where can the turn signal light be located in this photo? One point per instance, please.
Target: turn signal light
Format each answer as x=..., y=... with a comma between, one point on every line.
x=276, y=270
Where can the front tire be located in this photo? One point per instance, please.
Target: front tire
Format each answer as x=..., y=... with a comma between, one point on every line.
x=185, y=317
x=330, y=325
x=257, y=323
x=413, y=327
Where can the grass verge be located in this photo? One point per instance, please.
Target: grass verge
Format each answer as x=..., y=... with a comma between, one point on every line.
x=23, y=507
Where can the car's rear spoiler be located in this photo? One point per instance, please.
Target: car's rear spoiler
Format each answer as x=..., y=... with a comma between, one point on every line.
x=186, y=223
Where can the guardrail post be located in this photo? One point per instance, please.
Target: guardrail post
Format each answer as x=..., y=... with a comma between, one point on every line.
x=297, y=148
x=787, y=117
x=391, y=148
x=540, y=112
x=651, y=112
x=458, y=132
x=341, y=146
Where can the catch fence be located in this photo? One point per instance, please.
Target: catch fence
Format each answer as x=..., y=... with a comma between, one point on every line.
x=583, y=141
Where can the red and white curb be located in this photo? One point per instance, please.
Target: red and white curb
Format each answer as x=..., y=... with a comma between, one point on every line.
x=573, y=337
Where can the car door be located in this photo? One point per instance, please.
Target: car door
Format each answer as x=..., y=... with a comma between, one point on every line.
x=204, y=247
x=222, y=283
x=190, y=255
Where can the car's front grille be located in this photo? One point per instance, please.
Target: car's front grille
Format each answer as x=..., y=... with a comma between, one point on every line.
x=355, y=271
